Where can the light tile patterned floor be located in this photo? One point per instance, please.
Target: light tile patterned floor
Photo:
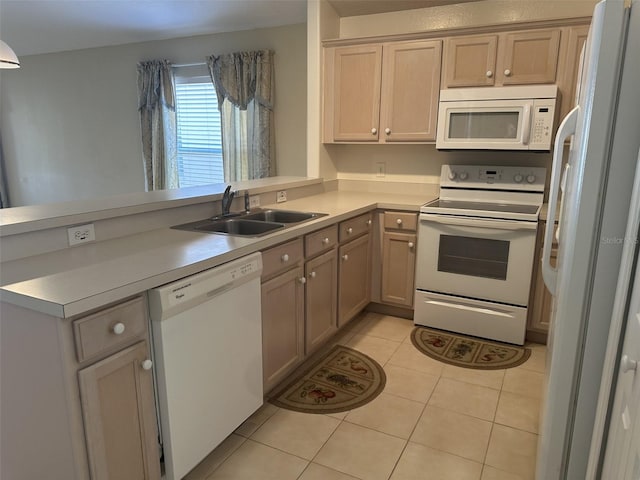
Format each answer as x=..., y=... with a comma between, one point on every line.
x=431, y=421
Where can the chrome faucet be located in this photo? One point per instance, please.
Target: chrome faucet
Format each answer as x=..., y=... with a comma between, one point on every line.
x=227, y=198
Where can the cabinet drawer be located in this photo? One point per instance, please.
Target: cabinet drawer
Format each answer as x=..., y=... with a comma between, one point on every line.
x=320, y=241
x=400, y=221
x=281, y=257
x=103, y=331
x=354, y=227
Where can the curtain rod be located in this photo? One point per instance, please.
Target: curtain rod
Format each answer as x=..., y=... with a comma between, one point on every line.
x=181, y=65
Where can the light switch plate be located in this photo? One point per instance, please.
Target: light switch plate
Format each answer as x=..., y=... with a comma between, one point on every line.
x=254, y=201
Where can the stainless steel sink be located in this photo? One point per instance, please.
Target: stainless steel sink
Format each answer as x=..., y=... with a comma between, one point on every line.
x=282, y=216
x=253, y=224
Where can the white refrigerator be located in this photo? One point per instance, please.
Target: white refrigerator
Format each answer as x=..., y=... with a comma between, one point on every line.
x=592, y=184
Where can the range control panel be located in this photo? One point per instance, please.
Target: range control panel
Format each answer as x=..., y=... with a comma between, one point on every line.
x=531, y=179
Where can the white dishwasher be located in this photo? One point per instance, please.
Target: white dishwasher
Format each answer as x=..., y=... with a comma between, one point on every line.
x=207, y=342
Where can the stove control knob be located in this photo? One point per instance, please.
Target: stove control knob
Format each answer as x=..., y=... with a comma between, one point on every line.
x=464, y=175
x=531, y=178
x=452, y=175
x=518, y=178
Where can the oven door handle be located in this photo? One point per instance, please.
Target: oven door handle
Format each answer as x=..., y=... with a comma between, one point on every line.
x=566, y=129
x=479, y=222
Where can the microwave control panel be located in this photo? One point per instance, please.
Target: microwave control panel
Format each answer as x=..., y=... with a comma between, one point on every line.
x=542, y=124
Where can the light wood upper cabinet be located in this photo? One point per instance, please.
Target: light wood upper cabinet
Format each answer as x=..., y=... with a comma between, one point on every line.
x=567, y=82
x=512, y=58
x=119, y=416
x=470, y=61
x=382, y=93
x=354, y=74
x=410, y=91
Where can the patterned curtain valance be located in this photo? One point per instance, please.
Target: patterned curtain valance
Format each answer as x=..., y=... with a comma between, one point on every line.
x=155, y=85
x=242, y=77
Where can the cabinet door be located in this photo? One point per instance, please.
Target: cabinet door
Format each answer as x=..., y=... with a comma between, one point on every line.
x=354, y=278
x=540, y=314
x=282, y=325
x=398, y=268
x=321, y=299
x=577, y=36
x=470, y=61
x=355, y=106
x=529, y=57
x=410, y=91
x=119, y=416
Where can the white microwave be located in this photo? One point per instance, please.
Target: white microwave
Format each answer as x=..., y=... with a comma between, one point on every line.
x=497, y=118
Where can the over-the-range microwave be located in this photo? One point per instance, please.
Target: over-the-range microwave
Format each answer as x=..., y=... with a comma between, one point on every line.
x=497, y=118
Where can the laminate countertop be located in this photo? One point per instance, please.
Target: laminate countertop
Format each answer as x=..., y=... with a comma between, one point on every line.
x=76, y=280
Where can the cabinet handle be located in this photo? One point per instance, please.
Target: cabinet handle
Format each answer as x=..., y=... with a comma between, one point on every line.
x=507, y=73
x=374, y=131
x=368, y=223
x=325, y=240
x=399, y=221
x=349, y=230
x=147, y=364
x=285, y=258
x=387, y=131
x=489, y=74
x=312, y=274
x=627, y=365
x=345, y=257
x=410, y=244
x=302, y=280
x=118, y=328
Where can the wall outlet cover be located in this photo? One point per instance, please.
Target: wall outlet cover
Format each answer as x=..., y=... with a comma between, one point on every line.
x=281, y=196
x=81, y=234
x=254, y=201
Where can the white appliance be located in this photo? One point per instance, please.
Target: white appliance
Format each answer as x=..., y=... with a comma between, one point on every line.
x=207, y=339
x=499, y=118
x=475, y=255
x=596, y=193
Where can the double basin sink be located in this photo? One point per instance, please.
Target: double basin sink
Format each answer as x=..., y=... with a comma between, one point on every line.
x=252, y=224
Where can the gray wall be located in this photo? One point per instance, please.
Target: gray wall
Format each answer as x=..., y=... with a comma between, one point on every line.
x=69, y=124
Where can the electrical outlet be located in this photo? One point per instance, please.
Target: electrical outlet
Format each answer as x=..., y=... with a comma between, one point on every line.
x=380, y=169
x=254, y=201
x=281, y=196
x=81, y=234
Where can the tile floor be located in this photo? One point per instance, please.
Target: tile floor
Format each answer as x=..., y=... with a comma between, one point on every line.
x=432, y=421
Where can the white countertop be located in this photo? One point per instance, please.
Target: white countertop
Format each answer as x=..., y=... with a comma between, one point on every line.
x=75, y=280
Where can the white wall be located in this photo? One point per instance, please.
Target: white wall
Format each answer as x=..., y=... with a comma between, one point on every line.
x=69, y=122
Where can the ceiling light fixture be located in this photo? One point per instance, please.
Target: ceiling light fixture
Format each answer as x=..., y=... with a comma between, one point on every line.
x=8, y=59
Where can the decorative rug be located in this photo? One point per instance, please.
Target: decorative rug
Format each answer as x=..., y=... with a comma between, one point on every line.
x=342, y=379
x=468, y=352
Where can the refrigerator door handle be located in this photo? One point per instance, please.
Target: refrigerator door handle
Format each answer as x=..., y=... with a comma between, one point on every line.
x=566, y=129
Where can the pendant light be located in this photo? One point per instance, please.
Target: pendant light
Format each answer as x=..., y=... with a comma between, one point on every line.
x=8, y=59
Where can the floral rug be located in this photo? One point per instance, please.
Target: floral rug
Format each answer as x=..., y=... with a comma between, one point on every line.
x=468, y=352
x=340, y=380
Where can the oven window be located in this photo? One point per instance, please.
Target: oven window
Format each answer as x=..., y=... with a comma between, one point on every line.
x=483, y=125
x=477, y=257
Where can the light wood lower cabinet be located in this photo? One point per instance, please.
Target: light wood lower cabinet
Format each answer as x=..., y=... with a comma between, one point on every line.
x=321, y=299
x=398, y=268
x=354, y=273
x=540, y=299
x=119, y=416
x=282, y=325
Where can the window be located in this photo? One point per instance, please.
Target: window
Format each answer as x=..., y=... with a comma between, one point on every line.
x=199, y=139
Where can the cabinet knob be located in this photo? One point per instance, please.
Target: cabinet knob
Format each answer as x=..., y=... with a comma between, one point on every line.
x=374, y=131
x=118, y=328
x=302, y=280
x=507, y=73
x=411, y=244
x=349, y=230
x=628, y=365
x=325, y=240
x=345, y=257
x=368, y=223
x=399, y=221
x=312, y=274
x=285, y=257
x=387, y=131
x=147, y=364
x=489, y=74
